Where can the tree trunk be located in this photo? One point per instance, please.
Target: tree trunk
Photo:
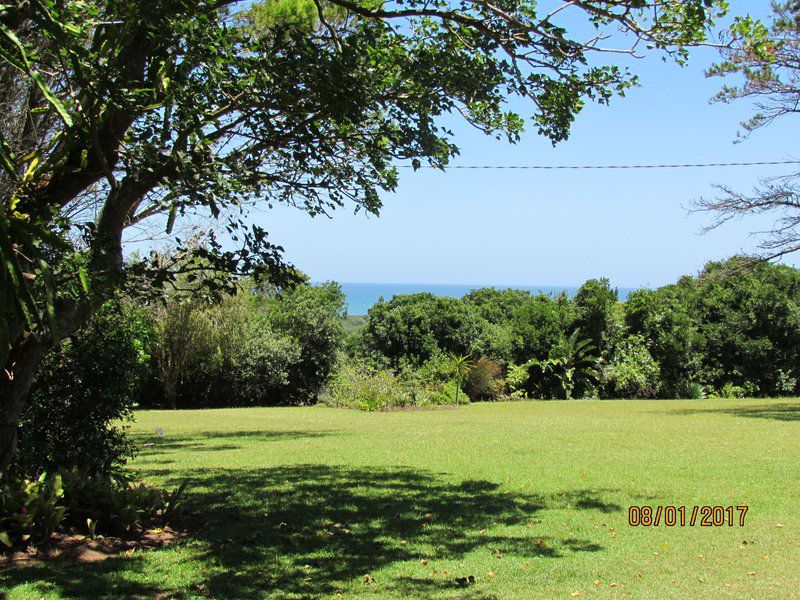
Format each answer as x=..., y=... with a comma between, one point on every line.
x=15, y=383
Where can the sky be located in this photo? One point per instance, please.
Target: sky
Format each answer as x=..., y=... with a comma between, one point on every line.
x=560, y=228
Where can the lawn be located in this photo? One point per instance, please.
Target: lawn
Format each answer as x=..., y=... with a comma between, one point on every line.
x=530, y=498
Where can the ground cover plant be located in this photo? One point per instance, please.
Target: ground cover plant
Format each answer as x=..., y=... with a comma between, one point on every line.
x=530, y=498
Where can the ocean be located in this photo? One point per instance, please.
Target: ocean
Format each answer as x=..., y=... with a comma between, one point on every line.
x=361, y=296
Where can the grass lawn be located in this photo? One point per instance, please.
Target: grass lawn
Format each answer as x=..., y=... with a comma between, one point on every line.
x=530, y=498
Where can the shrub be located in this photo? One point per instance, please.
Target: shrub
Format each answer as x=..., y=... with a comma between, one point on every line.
x=417, y=327
x=484, y=381
x=112, y=503
x=517, y=377
x=364, y=389
x=81, y=393
x=594, y=307
x=260, y=370
x=729, y=390
x=438, y=394
x=259, y=347
x=631, y=372
x=32, y=509
x=692, y=390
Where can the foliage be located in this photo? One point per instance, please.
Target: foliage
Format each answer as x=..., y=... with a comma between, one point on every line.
x=691, y=390
x=261, y=346
x=32, y=509
x=734, y=391
x=114, y=504
x=573, y=363
x=631, y=371
x=540, y=324
x=416, y=327
x=594, y=310
x=84, y=393
x=484, y=380
x=459, y=366
x=312, y=317
x=764, y=59
x=665, y=319
x=362, y=387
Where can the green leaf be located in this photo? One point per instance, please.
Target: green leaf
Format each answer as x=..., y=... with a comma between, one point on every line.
x=50, y=296
x=51, y=97
x=8, y=159
x=84, y=277
x=20, y=62
x=4, y=537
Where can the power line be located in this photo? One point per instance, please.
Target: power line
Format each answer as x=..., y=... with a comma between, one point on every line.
x=580, y=167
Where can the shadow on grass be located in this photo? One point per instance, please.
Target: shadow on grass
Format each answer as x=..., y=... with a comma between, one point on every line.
x=311, y=531
x=209, y=441
x=782, y=411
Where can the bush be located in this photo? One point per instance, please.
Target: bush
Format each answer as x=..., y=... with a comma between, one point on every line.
x=32, y=509
x=631, y=372
x=81, y=393
x=416, y=327
x=730, y=390
x=484, y=381
x=364, y=389
x=259, y=347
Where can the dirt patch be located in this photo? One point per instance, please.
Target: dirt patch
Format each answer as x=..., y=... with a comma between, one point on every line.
x=82, y=549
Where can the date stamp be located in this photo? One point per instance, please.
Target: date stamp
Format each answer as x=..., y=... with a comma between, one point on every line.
x=687, y=516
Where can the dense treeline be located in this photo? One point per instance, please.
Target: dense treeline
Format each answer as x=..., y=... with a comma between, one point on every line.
x=733, y=330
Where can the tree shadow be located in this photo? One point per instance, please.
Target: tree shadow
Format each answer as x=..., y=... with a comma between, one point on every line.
x=152, y=444
x=783, y=411
x=311, y=531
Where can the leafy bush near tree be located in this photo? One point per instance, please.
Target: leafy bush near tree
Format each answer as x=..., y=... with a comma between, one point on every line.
x=84, y=393
x=31, y=509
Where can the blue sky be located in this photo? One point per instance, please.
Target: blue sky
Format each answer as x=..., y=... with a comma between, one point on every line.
x=497, y=227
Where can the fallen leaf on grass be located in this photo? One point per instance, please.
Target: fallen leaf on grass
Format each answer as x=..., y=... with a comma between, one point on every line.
x=368, y=579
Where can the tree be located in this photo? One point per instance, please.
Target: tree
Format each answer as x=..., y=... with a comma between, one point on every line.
x=572, y=361
x=594, y=307
x=768, y=59
x=417, y=327
x=118, y=114
x=459, y=365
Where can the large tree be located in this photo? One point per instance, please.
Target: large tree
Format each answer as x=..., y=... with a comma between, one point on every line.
x=119, y=113
x=765, y=59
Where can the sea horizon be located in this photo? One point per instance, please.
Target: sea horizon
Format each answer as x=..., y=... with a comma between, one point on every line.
x=362, y=295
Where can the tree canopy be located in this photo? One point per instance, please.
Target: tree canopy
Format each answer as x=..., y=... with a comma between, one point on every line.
x=765, y=58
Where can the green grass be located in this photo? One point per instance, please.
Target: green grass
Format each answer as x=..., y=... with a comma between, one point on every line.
x=303, y=502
